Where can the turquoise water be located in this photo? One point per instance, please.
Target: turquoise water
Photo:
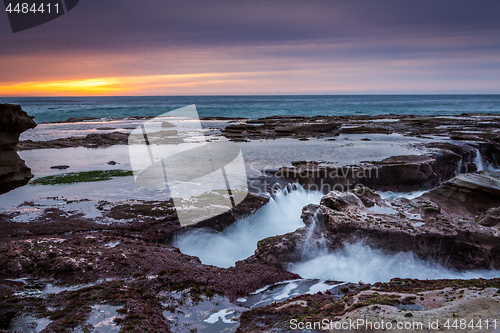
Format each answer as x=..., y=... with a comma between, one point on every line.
x=50, y=109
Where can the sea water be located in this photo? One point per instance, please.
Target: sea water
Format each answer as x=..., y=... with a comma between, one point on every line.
x=53, y=109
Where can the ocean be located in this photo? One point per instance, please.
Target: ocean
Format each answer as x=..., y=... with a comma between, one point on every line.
x=54, y=109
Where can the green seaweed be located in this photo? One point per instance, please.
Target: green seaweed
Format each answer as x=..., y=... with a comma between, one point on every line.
x=80, y=177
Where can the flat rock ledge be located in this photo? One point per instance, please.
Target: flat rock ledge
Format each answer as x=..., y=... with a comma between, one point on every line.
x=465, y=127
x=403, y=173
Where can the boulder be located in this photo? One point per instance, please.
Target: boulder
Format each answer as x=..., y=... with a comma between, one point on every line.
x=13, y=171
x=369, y=197
x=467, y=195
x=419, y=226
x=341, y=201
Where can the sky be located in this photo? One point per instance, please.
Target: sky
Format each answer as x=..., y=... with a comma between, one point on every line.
x=241, y=47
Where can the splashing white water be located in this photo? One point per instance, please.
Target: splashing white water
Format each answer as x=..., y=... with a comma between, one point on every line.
x=239, y=241
x=492, y=168
x=281, y=215
x=484, y=165
x=478, y=161
x=358, y=262
x=315, y=242
x=459, y=167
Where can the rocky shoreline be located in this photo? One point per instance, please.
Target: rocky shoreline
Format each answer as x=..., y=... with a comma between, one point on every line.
x=430, y=226
x=122, y=256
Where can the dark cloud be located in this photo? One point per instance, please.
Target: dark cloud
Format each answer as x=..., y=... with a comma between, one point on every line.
x=390, y=25
x=265, y=46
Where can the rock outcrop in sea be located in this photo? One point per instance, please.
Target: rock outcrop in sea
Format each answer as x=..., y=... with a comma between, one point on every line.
x=13, y=171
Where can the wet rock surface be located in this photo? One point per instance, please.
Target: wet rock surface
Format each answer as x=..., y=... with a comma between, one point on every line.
x=430, y=229
x=468, y=195
x=490, y=218
x=150, y=221
x=403, y=301
x=403, y=173
x=248, y=206
x=93, y=140
x=429, y=226
x=121, y=272
x=281, y=126
x=467, y=127
x=120, y=257
x=13, y=171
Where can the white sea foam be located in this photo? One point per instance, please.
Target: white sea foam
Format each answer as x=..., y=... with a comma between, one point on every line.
x=353, y=263
x=239, y=241
x=285, y=293
x=358, y=262
x=286, y=290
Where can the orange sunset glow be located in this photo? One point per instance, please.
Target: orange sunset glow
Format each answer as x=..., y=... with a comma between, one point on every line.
x=115, y=85
x=101, y=86
x=295, y=48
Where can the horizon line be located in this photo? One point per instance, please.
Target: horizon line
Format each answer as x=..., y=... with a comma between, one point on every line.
x=260, y=95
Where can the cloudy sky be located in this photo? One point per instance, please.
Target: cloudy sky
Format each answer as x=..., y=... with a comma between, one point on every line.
x=218, y=47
